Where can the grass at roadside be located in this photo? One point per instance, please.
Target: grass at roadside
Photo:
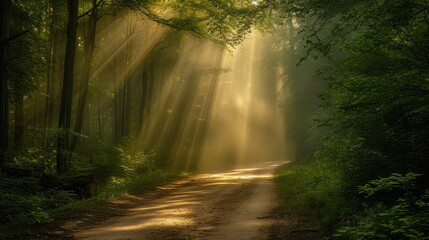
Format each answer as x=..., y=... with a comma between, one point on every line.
x=26, y=208
x=311, y=190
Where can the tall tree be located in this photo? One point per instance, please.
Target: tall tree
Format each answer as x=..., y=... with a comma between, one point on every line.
x=89, y=55
x=377, y=91
x=26, y=63
x=56, y=10
x=5, y=16
x=146, y=74
x=64, y=123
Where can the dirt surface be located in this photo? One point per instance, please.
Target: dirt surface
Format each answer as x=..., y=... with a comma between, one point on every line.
x=235, y=204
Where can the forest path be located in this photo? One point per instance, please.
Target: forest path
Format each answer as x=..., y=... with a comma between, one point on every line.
x=229, y=205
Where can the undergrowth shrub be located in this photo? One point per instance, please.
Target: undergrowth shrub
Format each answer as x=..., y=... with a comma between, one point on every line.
x=105, y=160
x=406, y=218
x=36, y=159
x=23, y=203
x=118, y=168
x=98, y=157
x=313, y=189
x=136, y=171
x=139, y=183
x=356, y=161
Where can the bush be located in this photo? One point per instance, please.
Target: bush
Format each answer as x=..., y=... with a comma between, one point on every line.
x=313, y=189
x=352, y=158
x=132, y=185
x=106, y=160
x=119, y=169
x=24, y=204
x=406, y=218
x=37, y=159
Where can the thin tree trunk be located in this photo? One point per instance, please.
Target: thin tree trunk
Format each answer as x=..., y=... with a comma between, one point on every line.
x=118, y=112
x=5, y=15
x=100, y=118
x=89, y=50
x=127, y=107
x=146, y=97
x=35, y=110
x=18, y=139
x=143, y=100
x=51, y=69
x=127, y=84
x=50, y=61
x=64, y=123
x=52, y=86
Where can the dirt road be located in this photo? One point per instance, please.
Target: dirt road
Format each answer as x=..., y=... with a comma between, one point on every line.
x=229, y=205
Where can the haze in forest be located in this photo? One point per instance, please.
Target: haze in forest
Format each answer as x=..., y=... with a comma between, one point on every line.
x=110, y=99
x=209, y=106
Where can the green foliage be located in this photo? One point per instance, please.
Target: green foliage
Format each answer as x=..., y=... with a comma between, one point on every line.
x=314, y=189
x=227, y=22
x=393, y=182
x=351, y=157
x=36, y=159
x=375, y=107
x=406, y=218
x=24, y=204
x=105, y=160
x=138, y=183
x=98, y=157
x=118, y=168
x=28, y=52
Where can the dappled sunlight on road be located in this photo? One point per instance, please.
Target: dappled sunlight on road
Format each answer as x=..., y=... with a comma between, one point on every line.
x=207, y=206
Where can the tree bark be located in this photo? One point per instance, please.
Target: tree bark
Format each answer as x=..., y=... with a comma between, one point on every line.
x=147, y=76
x=99, y=115
x=118, y=101
x=127, y=83
x=64, y=123
x=51, y=68
x=89, y=50
x=127, y=106
x=18, y=139
x=5, y=16
x=143, y=101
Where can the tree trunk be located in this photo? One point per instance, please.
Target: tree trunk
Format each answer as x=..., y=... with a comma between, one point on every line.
x=64, y=123
x=146, y=97
x=99, y=115
x=18, y=139
x=127, y=106
x=118, y=101
x=127, y=83
x=89, y=50
x=143, y=101
x=5, y=15
x=51, y=68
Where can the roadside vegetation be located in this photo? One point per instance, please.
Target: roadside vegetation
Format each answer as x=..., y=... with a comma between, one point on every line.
x=119, y=170
x=367, y=176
